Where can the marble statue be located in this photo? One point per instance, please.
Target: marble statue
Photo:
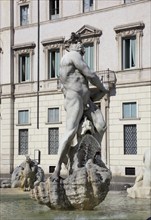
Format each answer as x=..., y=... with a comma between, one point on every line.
x=88, y=179
x=27, y=175
x=75, y=76
x=142, y=186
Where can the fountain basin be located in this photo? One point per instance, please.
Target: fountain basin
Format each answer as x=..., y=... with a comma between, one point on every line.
x=16, y=204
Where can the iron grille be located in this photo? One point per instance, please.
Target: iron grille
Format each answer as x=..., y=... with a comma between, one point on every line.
x=53, y=144
x=130, y=139
x=23, y=141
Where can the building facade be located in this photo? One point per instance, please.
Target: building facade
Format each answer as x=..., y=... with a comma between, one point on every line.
x=117, y=37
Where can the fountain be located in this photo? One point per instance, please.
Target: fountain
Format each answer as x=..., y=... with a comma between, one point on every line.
x=84, y=193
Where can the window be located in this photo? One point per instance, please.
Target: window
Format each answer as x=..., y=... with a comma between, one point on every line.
x=53, y=115
x=130, y=41
x=23, y=117
x=54, y=8
x=24, y=15
x=129, y=52
x=23, y=141
x=130, y=139
x=89, y=55
x=24, y=67
x=53, y=140
x=87, y=5
x=129, y=110
x=53, y=63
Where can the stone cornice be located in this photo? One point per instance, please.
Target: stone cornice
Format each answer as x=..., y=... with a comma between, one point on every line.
x=128, y=27
x=53, y=41
x=24, y=46
x=87, y=31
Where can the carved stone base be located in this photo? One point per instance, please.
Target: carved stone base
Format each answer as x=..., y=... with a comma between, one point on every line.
x=83, y=189
x=86, y=185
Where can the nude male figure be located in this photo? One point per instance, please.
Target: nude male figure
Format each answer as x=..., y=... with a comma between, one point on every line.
x=74, y=76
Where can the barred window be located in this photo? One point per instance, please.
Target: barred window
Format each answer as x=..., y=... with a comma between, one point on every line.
x=130, y=139
x=53, y=115
x=53, y=140
x=129, y=110
x=23, y=117
x=23, y=141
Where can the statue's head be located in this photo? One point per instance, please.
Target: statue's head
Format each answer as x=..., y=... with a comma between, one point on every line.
x=75, y=43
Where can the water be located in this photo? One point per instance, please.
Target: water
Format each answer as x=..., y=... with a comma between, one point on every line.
x=15, y=205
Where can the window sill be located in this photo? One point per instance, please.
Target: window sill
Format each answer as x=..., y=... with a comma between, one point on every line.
x=52, y=123
x=28, y=124
x=129, y=119
x=129, y=70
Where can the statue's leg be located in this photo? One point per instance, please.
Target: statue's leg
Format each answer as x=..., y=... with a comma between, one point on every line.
x=74, y=108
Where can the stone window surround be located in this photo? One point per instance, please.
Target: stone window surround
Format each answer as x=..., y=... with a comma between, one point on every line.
x=23, y=49
x=133, y=29
x=91, y=35
x=52, y=44
x=19, y=4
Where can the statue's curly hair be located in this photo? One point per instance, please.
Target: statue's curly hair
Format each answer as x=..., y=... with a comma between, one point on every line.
x=75, y=38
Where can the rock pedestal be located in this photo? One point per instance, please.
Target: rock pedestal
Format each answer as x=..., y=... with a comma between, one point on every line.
x=84, y=188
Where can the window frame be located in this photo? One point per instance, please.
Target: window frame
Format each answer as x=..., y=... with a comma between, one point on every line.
x=27, y=70
x=56, y=9
x=56, y=63
x=90, y=62
x=28, y=14
x=90, y=6
x=124, y=51
x=28, y=113
x=136, y=110
x=53, y=122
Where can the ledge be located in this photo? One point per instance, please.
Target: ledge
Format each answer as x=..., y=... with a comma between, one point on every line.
x=23, y=46
x=129, y=26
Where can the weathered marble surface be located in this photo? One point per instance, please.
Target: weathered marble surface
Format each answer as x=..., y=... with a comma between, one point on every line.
x=84, y=188
x=27, y=175
x=142, y=186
